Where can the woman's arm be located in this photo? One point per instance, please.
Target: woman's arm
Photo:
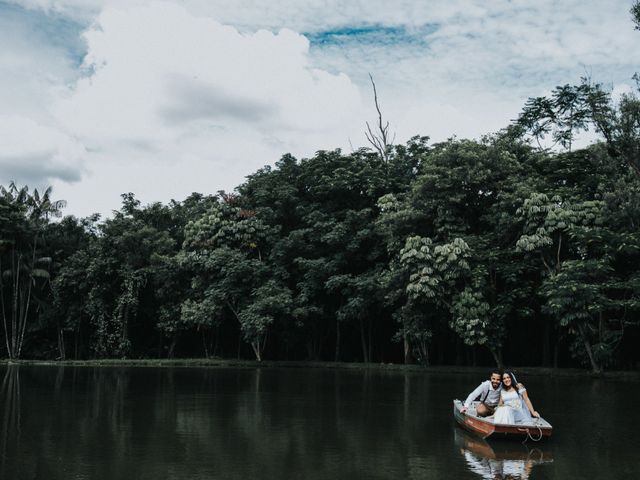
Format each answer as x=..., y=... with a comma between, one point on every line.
x=525, y=397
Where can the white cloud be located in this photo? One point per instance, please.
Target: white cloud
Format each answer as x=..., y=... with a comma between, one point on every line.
x=215, y=101
x=35, y=154
x=147, y=85
x=32, y=66
x=192, y=97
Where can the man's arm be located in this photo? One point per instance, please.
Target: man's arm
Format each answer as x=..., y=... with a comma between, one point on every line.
x=480, y=389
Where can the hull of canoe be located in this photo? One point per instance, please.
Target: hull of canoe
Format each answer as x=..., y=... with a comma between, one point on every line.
x=488, y=430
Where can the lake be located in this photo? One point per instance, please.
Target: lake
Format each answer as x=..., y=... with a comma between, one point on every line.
x=296, y=423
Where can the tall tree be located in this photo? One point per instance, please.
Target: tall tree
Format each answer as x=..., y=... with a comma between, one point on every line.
x=582, y=242
x=23, y=218
x=227, y=251
x=572, y=108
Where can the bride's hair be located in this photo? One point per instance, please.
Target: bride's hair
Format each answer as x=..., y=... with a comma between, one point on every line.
x=514, y=382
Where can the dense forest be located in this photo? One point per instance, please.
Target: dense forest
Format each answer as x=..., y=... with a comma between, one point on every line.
x=516, y=248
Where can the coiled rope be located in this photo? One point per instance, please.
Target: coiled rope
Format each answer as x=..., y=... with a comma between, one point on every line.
x=529, y=436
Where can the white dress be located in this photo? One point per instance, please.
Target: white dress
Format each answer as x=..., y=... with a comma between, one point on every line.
x=513, y=409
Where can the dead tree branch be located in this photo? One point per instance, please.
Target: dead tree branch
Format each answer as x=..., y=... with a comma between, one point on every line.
x=379, y=139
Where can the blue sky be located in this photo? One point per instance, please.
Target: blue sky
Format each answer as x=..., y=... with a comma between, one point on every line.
x=376, y=34
x=101, y=97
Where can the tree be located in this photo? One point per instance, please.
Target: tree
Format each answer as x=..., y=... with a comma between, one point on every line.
x=466, y=190
x=572, y=108
x=171, y=281
x=577, y=250
x=440, y=275
x=360, y=294
x=379, y=139
x=118, y=278
x=564, y=113
x=328, y=247
x=227, y=251
x=635, y=14
x=23, y=270
x=68, y=244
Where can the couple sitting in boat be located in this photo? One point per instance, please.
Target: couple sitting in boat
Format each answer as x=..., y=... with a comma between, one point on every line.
x=503, y=398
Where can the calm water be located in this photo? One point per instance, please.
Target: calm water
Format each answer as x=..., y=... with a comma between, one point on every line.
x=224, y=423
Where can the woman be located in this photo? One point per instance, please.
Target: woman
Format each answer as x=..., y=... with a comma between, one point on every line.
x=514, y=405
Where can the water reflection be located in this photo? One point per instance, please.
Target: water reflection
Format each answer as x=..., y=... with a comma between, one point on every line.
x=76, y=423
x=112, y=423
x=500, y=460
x=10, y=425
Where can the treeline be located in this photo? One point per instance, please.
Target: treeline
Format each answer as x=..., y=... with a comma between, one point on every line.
x=461, y=252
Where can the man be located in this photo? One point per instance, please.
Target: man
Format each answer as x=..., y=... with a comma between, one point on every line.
x=489, y=394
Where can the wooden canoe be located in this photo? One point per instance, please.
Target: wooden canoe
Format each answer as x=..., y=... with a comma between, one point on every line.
x=484, y=427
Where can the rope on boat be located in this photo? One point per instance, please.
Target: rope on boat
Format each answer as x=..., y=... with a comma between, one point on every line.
x=529, y=436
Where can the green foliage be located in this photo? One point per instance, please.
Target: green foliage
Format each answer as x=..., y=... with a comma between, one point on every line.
x=227, y=251
x=562, y=114
x=580, y=297
x=456, y=224
x=470, y=319
x=24, y=269
x=635, y=14
x=581, y=246
x=329, y=250
x=434, y=271
x=455, y=250
x=548, y=218
x=270, y=302
x=573, y=108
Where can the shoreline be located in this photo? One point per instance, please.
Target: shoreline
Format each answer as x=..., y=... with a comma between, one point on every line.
x=397, y=367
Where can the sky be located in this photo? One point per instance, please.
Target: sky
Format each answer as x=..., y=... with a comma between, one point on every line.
x=104, y=97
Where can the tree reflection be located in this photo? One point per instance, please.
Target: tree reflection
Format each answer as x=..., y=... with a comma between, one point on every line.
x=148, y=423
x=10, y=427
x=500, y=461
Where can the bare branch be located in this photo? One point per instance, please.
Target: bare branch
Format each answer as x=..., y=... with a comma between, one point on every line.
x=380, y=139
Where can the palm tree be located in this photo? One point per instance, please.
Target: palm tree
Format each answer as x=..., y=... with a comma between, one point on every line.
x=23, y=218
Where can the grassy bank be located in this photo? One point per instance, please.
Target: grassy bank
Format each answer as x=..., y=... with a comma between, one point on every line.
x=227, y=363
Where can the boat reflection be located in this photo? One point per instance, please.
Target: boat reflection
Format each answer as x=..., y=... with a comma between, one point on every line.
x=500, y=460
